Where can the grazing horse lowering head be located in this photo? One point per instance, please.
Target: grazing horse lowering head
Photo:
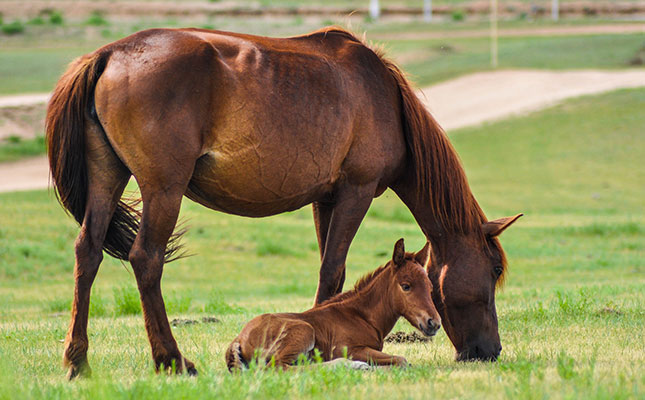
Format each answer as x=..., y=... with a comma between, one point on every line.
x=411, y=289
x=465, y=282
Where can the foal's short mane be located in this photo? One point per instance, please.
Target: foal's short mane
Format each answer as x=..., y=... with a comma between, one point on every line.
x=362, y=283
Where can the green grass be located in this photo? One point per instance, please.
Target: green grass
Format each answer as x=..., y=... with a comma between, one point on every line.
x=433, y=60
x=15, y=148
x=571, y=313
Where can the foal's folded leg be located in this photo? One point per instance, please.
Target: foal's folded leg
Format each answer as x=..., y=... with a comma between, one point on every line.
x=376, y=357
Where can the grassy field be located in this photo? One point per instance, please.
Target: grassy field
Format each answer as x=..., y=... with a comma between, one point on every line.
x=34, y=60
x=571, y=313
x=15, y=148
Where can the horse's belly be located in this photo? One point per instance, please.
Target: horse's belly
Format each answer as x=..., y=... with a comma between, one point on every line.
x=244, y=184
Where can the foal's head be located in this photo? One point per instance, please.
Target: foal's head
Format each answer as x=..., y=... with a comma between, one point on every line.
x=411, y=289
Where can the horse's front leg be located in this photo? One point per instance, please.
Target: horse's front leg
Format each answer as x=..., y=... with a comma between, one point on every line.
x=160, y=212
x=350, y=205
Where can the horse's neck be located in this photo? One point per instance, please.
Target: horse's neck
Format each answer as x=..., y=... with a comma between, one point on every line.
x=441, y=238
x=375, y=306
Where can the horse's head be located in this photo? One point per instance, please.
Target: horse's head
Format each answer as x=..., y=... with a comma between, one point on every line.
x=411, y=289
x=465, y=270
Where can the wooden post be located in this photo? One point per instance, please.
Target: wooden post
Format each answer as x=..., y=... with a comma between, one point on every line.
x=493, y=33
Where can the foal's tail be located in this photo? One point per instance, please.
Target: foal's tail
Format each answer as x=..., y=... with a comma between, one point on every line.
x=70, y=108
x=234, y=359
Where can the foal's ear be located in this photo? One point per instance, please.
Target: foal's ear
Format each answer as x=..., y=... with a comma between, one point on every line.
x=494, y=228
x=398, y=257
x=423, y=256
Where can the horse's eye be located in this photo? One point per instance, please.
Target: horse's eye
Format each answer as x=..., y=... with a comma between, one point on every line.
x=405, y=287
x=498, y=271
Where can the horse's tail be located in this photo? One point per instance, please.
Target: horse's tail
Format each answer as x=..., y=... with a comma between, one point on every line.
x=438, y=172
x=69, y=109
x=234, y=358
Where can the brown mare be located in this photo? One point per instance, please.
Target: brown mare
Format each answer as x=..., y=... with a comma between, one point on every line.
x=351, y=324
x=257, y=126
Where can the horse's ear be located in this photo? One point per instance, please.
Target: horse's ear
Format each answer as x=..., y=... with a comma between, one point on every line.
x=423, y=255
x=398, y=257
x=494, y=228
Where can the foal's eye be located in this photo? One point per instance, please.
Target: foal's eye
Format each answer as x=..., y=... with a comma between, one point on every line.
x=405, y=287
x=498, y=271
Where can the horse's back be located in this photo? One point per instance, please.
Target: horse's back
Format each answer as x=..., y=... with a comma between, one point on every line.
x=266, y=125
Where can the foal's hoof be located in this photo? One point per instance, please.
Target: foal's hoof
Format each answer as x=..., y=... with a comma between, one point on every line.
x=360, y=365
x=189, y=368
x=191, y=371
x=346, y=363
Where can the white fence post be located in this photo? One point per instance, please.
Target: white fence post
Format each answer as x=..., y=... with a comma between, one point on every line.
x=427, y=10
x=555, y=10
x=493, y=33
x=375, y=9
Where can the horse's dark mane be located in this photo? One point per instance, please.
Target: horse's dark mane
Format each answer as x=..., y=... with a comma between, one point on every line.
x=362, y=283
x=439, y=177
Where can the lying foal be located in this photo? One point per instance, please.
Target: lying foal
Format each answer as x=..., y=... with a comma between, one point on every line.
x=351, y=324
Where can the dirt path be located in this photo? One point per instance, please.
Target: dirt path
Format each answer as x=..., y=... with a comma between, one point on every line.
x=487, y=96
x=466, y=101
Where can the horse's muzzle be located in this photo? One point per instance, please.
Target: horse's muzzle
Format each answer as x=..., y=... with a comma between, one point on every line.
x=478, y=353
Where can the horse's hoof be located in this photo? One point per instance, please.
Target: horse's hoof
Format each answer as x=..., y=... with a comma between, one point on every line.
x=177, y=368
x=189, y=368
x=82, y=370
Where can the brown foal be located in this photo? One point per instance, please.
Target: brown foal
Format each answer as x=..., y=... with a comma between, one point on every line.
x=351, y=324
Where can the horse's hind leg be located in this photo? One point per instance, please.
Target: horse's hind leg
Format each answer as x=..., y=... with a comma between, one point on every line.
x=107, y=178
x=160, y=212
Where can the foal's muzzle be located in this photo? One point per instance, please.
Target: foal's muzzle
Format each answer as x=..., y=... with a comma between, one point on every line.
x=430, y=327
